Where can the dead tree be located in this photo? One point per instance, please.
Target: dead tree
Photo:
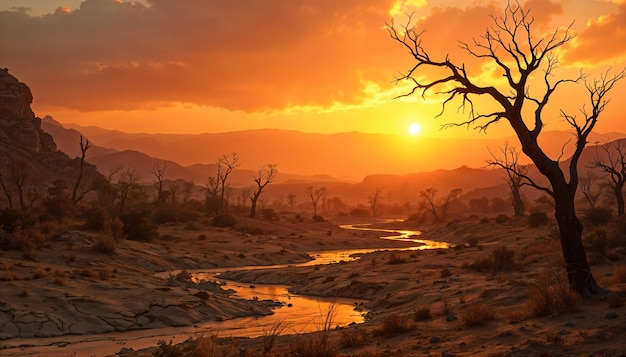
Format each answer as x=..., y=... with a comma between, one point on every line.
x=84, y=146
x=527, y=60
x=374, y=200
x=265, y=175
x=158, y=171
x=451, y=197
x=515, y=174
x=614, y=165
x=315, y=194
x=225, y=165
x=427, y=202
x=589, y=189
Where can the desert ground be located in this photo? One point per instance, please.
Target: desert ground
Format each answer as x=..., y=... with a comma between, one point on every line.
x=499, y=291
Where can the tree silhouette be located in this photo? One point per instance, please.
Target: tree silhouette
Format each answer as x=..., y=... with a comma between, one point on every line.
x=527, y=61
x=315, y=194
x=158, y=171
x=374, y=200
x=614, y=165
x=265, y=175
x=225, y=165
x=515, y=175
x=427, y=201
x=84, y=146
x=589, y=189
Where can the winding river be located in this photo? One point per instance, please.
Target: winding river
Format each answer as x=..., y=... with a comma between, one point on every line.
x=303, y=313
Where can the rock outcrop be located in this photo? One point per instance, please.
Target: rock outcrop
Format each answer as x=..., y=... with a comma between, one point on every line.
x=24, y=144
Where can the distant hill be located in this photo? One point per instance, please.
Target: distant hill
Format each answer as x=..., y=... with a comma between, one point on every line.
x=349, y=156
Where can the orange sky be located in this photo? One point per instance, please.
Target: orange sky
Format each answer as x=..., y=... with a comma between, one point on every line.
x=190, y=66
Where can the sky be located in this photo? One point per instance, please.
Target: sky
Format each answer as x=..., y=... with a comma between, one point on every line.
x=322, y=66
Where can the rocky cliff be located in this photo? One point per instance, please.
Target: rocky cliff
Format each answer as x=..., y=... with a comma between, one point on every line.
x=25, y=149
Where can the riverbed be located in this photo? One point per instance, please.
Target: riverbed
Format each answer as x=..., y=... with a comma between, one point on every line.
x=301, y=313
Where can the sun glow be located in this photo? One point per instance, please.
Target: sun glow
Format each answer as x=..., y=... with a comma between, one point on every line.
x=414, y=129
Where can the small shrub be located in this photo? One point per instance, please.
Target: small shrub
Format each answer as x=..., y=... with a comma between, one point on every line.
x=167, y=350
x=318, y=218
x=353, y=338
x=393, y=326
x=104, y=244
x=59, y=280
x=96, y=218
x=502, y=218
x=105, y=274
x=396, y=259
x=446, y=306
x=202, y=236
x=223, y=221
x=537, y=218
x=516, y=316
x=269, y=214
x=423, y=313
x=138, y=226
x=477, y=315
x=551, y=293
x=598, y=216
x=444, y=273
x=596, y=241
x=89, y=273
x=503, y=259
x=40, y=273
x=361, y=212
x=24, y=293
x=183, y=276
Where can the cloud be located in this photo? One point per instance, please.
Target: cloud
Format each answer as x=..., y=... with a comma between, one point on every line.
x=250, y=55
x=602, y=41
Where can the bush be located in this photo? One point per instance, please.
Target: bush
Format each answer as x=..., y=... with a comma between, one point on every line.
x=503, y=259
x=360, y=212
x=537, y=218
x=269, y=214
x=477, y=315
x=224, y=220
x=502, y=218
x=596, y=242
x=168, y=212
x=95, y=218
x=599, y=216
x=318, y=218
x=551, y=293
x=11, y=219
x=393, y=326
x=422, y=314
x=138, y=226
x=104, y=244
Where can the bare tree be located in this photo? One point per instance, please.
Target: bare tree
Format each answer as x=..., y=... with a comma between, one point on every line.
x=589, y=189
x=19, y=177
x=427, y=201
x=315, y=194
x=525, y=59
x=187, y=190
x=84, y=146
x=614, y=164
x=374, y=200
x=158, y=171
x=291, y=198
x=265, y=175
x=225, y=165
x=126, y=184
x=451, y=197
x=212, y=187
x=515, y=174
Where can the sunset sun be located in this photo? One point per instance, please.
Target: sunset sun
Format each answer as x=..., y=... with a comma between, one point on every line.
x=414, y=129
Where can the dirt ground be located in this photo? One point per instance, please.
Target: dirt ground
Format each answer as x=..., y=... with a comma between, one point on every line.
x=442, y=302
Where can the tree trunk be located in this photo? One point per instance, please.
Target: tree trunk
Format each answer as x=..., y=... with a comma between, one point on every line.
x=253, y=206
x=518, y=204
x=570, y=230
x=620, y=199
x=578, y=271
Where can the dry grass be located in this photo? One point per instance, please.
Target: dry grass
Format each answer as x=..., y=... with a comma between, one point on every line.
x=551, y=293
x=393, y=325
x=8, y=276
x=446, y=306
x=477, y=315
x=353, y=337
